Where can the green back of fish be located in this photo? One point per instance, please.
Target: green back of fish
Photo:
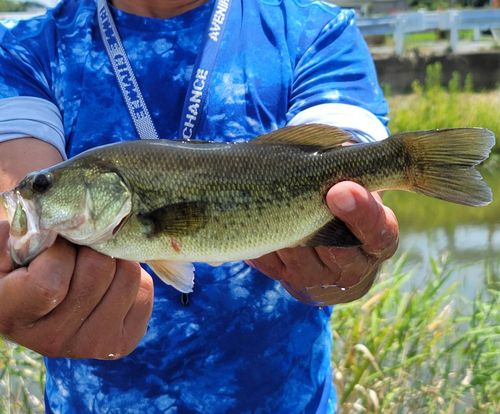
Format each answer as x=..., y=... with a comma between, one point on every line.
x=220, y=202
x=216, y=201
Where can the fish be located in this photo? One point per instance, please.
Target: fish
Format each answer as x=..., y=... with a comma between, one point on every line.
x=172, y=203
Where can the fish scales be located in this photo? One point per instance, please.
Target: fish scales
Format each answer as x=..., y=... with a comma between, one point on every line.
x=170, y=203
x=247, y=191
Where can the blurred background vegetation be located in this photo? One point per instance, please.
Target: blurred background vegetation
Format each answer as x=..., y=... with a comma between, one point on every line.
x=444, y=4
x=435, y=105
x=14, y=6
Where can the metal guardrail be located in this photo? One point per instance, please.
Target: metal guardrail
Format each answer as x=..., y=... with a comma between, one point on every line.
x=10, y=19
x=450, y=20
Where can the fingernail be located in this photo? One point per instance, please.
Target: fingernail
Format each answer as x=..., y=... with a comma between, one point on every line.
x=345, y=201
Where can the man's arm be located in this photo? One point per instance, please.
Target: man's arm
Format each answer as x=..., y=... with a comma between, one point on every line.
x=70, y=301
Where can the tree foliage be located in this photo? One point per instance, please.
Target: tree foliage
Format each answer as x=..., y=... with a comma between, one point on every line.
x=446, y=4
x=14, y=6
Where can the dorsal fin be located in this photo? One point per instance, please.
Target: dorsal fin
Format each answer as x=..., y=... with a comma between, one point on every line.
x=313, y=135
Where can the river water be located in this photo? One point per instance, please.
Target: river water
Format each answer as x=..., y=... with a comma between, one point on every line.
x=469, y=237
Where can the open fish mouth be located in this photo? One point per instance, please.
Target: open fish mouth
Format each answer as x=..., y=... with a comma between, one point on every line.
x=9, y=202
x=27, y=240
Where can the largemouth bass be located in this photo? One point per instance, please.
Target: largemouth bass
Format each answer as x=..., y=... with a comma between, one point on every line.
x=171, y=203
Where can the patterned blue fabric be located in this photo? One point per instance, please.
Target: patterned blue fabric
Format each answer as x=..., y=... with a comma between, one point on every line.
x=243, y=345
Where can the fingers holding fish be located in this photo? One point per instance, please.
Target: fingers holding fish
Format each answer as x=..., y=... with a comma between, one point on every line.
x=118, y=322
x=137, y=318
x=121, y=294
x=28, y=294
x=329, y=275
x=270, y=264
x=348, y=265
x=299, y=266
x=374, y=224
x=324, y=295
x=319, y=276
x=91, y=278
x=73, y=302
x=307, y=267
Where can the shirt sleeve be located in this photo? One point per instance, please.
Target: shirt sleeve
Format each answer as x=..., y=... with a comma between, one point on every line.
x=27, y=105
x=335, y=82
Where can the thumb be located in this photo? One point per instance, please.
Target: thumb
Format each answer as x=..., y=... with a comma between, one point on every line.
x=371, y=222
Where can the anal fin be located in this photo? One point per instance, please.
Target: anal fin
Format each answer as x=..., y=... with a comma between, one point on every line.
x=178, y=275
x=335, y=233
x=215, y=264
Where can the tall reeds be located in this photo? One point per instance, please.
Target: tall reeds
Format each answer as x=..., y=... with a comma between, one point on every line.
x=421, y=350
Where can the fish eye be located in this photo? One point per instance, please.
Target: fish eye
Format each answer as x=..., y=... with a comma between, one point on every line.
x=41, y=183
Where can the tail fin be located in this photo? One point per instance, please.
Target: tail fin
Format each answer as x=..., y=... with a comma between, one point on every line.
x=443, y=164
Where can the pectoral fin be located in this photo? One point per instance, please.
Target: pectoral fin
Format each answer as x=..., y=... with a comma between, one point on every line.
x=175, y=219
x=178, y=275
x=334, y=234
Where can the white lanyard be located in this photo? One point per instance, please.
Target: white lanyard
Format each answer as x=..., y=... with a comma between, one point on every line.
x=200, y=78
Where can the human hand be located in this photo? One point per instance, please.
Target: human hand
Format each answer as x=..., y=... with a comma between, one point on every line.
x=74, y=302
x=326, y=275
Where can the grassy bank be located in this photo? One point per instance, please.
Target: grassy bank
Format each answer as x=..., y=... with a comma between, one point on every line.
x=21, y=380
x=428, y=350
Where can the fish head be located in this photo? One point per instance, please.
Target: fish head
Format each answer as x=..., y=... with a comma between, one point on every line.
x=26, y=239
x=84, y=204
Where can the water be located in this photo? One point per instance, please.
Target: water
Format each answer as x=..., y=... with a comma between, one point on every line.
x=469, y=237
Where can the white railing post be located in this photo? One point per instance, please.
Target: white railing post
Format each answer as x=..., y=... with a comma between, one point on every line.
x=399, y=35
x=496, y=35
x=454, y=31
x=477, y=34
x=453, y=21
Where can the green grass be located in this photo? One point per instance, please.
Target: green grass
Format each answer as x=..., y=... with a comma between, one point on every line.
x=427, y=350
x=415, y=40
x=22, y=380
x=435, y=105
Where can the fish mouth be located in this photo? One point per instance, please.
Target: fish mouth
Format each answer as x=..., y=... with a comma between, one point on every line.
x=27, y=240
x=9, y=202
